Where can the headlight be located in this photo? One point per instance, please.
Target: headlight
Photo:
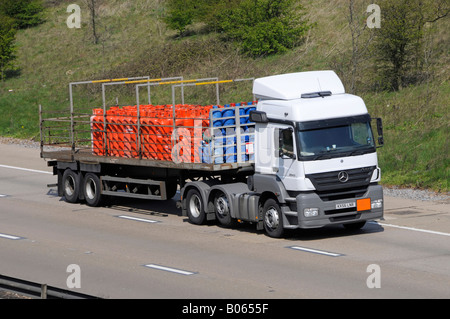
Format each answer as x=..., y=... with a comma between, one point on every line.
x=311, y=212
x=378, y=203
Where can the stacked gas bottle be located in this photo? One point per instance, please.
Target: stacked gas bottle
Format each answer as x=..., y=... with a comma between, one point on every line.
x=193, y=140
x=224, y=145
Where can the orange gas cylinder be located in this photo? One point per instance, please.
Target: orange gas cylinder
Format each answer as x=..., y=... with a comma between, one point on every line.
x=97, y=132
x=112, y=131
x=130, y=131
x=147, y=134
x=155, y=133
x=119, y=129
x=165, y=139
x=158, y=130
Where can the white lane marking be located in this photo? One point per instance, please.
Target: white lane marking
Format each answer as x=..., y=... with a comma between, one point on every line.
x=26, y=169
x=169, y=269
x=315, y=251
x=413, y=229
x=9, y=237
x=138, y=219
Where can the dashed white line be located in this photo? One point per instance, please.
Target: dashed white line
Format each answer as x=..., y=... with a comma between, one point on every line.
x=10, y=237
x=138, y=219
x=26, y=169
x=413, y=229
x=169, y=269
x=315, y=251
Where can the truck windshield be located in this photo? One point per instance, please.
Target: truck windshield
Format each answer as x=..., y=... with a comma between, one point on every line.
x=335, y=138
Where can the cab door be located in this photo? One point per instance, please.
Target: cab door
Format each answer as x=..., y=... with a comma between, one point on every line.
x=287, y=156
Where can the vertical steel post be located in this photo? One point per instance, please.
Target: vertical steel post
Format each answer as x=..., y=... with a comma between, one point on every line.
x=72, y=128
x=105, y=138
x=174, y=133
x=138, y=137
x=40, y=129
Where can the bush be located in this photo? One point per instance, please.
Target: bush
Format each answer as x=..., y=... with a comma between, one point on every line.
x=7, y=48
x=258, y=27
x=180, y=15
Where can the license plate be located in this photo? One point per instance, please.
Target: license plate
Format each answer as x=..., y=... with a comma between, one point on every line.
x=345, y=205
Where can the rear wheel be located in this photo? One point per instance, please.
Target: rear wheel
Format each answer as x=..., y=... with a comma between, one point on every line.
x=194, y=206
x=222, y=210
x=92, y=190
x=273, y=219
x=71, y=187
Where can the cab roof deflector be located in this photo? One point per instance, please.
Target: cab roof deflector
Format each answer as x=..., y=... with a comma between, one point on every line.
x=298, y=85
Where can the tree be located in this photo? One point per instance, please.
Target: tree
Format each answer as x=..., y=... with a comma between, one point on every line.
x=265, y=27
x=26, y=13
x=400, y=40
x=180, y=14
x=7, y=38
x=93, y=9
x=361, y=40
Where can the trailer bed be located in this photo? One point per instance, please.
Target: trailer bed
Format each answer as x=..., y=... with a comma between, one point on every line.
x=84, y=156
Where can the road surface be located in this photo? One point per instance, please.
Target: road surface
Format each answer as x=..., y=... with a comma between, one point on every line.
x=148, y=250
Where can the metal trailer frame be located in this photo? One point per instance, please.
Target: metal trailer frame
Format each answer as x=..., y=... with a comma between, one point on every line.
x=70, y=153
x=134, y=177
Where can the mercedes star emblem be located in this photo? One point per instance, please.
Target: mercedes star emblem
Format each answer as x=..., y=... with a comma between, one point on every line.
x=343, y=177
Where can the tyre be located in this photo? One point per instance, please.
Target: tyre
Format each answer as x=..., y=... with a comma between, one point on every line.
x=71, y=186
x=194, y=206
x=273, y=219
x=222, y=210
x=92, y=190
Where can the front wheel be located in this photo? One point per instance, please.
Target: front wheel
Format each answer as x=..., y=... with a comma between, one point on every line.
x=273, y=219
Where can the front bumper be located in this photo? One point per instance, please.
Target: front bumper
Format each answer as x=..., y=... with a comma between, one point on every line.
x=343, y=211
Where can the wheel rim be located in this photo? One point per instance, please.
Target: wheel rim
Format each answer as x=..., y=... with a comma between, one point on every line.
x=272, y=218
x=91, y=188
x=69, y=186
x=195, y=206
x=222, y=206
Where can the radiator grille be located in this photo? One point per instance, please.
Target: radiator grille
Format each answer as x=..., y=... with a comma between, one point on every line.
x=336, y=185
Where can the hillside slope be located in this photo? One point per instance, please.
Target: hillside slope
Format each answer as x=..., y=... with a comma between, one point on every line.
x=133, y=41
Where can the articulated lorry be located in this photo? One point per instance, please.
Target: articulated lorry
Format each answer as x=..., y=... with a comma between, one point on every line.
x=300, y=153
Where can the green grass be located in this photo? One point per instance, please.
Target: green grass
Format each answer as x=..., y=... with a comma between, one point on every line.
x=135, y=42
x=416, y=151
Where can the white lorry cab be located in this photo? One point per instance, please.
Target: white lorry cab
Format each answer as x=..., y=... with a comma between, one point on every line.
x=316, y=152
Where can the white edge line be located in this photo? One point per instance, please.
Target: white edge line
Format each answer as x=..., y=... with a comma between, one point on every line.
x=26, y=169
x=174, y=270
x=138, y=219
x=315, y=251
x=10, y=237
x=413, y=229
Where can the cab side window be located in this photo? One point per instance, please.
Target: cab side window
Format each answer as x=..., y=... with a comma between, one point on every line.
x=286, y=143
